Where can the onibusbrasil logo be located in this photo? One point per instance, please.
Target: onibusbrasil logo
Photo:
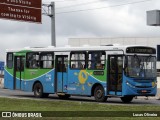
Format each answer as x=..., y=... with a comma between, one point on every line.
x=21, y=114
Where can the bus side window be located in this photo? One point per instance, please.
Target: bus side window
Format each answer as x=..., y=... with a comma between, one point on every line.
x=78, y=60
x=32, y=60
x=9, y=60
x=47, y=60
x=96, y=60
x=34, y=64
x=73, y=66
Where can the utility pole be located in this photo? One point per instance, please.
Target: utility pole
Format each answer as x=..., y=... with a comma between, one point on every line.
x=53, y=31
x=51, y=13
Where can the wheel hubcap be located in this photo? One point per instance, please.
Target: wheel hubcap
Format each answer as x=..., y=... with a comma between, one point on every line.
x=38, y=91
x=99, y=93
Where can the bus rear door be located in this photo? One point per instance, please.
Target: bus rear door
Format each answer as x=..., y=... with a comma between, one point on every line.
x=18, y=71
x=61, y=73
x=115, y=68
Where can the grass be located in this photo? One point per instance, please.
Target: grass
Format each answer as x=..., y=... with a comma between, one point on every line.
x=9, y=104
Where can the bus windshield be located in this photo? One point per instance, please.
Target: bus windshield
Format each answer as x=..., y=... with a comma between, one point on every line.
x=140, y=66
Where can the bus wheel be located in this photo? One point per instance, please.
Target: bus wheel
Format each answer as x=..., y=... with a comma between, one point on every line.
x=38, y=90
x=127, y=99
x=66, y=96
x=99, y=94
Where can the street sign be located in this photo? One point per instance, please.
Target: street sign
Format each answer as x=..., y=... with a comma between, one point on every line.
x=27, y=3
x=20, y=13
x=21, y=10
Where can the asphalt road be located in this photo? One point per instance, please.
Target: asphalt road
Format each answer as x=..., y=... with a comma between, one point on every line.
x=29, y=95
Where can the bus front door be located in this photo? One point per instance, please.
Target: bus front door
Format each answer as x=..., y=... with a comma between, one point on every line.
x=18, y=71
x=115, y=68
x=61, y=73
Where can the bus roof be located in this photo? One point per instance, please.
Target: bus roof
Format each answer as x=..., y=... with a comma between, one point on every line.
x=68, y=48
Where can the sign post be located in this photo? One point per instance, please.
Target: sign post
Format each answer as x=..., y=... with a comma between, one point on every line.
x=51, y=13
x=21, y=10
x=53, y=35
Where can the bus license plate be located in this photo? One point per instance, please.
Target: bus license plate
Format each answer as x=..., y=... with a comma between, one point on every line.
x=144, y=91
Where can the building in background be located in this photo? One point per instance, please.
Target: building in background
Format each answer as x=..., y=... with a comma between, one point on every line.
x=149, y=41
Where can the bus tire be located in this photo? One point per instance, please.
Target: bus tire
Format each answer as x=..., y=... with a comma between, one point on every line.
x=99, y=94
x=66, y=96
x=127, y=99
x=38, y=90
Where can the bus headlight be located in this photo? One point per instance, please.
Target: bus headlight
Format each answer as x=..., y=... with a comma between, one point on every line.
x=154, y=84
x=130, y=85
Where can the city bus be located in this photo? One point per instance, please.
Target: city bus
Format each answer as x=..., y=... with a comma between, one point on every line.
x=99, y=71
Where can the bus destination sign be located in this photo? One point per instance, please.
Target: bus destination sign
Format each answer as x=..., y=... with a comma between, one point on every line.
x=141, y=50
x=21, y=10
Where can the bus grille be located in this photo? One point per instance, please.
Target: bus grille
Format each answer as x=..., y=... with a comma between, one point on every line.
x=143, y=86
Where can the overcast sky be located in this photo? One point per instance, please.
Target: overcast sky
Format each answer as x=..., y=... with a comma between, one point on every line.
x=120, y=21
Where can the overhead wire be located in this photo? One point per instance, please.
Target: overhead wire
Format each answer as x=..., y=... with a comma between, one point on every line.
x=62, y=1
x=58, y=1
x=81, y=10
x=80, y=4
